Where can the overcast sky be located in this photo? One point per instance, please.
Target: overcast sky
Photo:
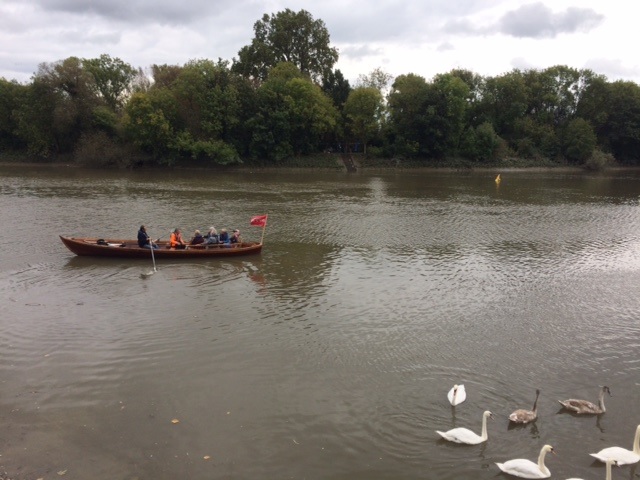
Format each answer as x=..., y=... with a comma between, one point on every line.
x=425, y=37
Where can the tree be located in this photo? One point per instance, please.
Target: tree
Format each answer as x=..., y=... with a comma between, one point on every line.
x=209, y=109
x=377, y=78
x=364, y=110
x=593, y=104
x=293, y=115
x=503, y=102
x=622, y=131
x=407, y=108
x=288, y=36
x=475, y=83
x=35, y=119
x=164, y=75
x=480, y=143
x=60, y=107
x=579, y=141
x=447, y=113
x=336, y=87
x=12, y=97
x=113, y=79
x=148, y=124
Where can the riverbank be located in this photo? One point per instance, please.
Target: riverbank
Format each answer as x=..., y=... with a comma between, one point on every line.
x=326, y=161
x=366, y=169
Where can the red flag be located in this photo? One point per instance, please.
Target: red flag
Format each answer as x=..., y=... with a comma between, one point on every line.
x=259, y=221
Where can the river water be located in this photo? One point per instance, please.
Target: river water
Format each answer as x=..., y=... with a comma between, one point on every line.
x=329, y=355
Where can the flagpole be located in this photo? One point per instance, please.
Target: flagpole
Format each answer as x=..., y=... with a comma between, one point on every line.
x=263, y=228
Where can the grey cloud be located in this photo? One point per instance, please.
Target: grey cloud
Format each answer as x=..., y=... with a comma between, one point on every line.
x=445, y=47
x=538, y=21
x=166, y=12
x=390, y=20
x=612, y=68
x=521, y=63
x=360, y=51
x=464, y=27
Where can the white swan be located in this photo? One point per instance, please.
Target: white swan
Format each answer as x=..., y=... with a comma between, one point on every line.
x=621, y=455
x=609, y=463
x=584, y=407
x=457, y=395
x=464, y=435
x=525, y=416
x=521, y=467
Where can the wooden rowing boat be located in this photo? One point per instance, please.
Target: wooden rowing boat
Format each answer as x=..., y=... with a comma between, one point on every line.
x=119, y=248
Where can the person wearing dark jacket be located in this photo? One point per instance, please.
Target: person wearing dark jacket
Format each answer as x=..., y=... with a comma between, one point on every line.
x=197, y=238
x=143, y=239
x=235, y=237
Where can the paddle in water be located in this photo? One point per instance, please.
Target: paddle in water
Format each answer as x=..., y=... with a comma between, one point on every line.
x=153, y=258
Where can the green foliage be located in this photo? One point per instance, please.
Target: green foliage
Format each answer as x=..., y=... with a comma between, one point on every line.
x=599, y=160
x=112, y=77
x=364, y=110
x=148, y=127
x=428, y=118
x=63, y=101
x=165, y=75
x=336, y=87
x=99, y=150
x=312, y=115
x=288, y=36
x=214, y=151
x=579, y=141
x=35, y=119
x=268, y=107
x=621, y=133
x=450, y=100
x=377, y=78
x=407, y=103
x=105, y=119
x=270, y=126
x=503, y=102
x=534, y=140
x=480, y=144
x=12, y=97
x=293, y=116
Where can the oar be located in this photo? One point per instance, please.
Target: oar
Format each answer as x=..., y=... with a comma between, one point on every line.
x=153, y=257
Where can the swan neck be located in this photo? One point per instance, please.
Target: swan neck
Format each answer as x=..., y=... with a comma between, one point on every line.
x=541, y=464
x=485, y=435
x=608, y=471
x=601, y=401
x=636, y=442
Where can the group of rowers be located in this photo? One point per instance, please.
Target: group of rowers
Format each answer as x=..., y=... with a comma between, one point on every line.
x=212, y=237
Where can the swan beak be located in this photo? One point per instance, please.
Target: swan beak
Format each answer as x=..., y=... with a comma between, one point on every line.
x=553, y=450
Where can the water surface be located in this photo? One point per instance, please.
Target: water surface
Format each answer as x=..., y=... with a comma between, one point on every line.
x=330, y=354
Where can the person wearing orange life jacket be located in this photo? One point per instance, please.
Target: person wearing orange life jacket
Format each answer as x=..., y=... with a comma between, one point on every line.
x=176, y=240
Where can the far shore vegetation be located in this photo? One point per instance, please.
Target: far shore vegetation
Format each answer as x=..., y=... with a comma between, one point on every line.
x=281, y=103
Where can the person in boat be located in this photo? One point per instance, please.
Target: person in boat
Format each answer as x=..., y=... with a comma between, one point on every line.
x=235, y=237
x=212, y=236
x=224, y=236
x=143, y=239
x=197, y=238
x=176, y=240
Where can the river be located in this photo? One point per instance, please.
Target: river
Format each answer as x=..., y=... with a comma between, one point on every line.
x=330, y=354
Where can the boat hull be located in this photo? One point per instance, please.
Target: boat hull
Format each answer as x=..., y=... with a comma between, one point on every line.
x=119, y=248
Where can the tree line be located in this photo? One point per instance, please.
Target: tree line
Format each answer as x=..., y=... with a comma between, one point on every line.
x=282, y=98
